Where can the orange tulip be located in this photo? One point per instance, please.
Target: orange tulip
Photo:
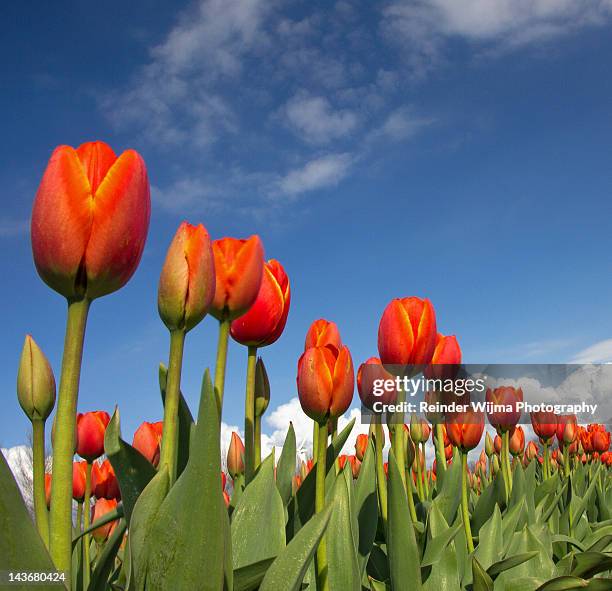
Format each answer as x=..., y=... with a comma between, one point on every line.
x=355, y=463
x=187, y=282
x=504, y=396
x=99, y=510
x=104, y=483
x=79, y=476
x=48, y=489
x=446, y=358
x=567, y=429
x=498, y=444
x=342, y=458
x=147, y=440
x=544, y=425
x=600, y=438
x=90, y=219
x=265, y=321
x=325, y=382
x=532, y=451
x=371, y=370
x=407, y=332
x=464, y=429
x=323, y=332
x=235, y=456
x=239, y=268
x=90, y=430
x=361, y=445
x=517, y=441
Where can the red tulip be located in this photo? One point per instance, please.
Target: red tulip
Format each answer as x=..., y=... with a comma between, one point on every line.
x=342, y=460
x=361, y=445
x=544, y=425
x=517, y=441
x=48, y=489
x=99, y=510
x=223, y=480
x=325, y=382
x=498, y=444
x=407, y=332
x=355, y=463
x=446, y=358
x=90, y=429
x=465, y=429
x=586, y=440
x=235, y=456
x=147, y=440
x=504, y=396
x=79, y=476
x=104, y=483
x=187, y=282
x=567, y=429
x=371, y=370
x=600, y=437
x=239, y=268
x=263, y=324
x=323, y=332
x=90, y=219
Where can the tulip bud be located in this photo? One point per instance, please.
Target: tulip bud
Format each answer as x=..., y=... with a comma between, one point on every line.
x=147, y=440
x=322, y=332
x=495, y=465
x=90, y=219
x=446, y=358
x=489, y=446
x=99, y=510
x=262, y=388
x=355, y=465
x=544, y=425
x=296, y=483
x=325, y=382
x=265, y=320
x=238, y=274
x=35, y=382
x=235, y=456
x=567, y=429
x=90, y=430
x=361, y=445
x=419, y=429
x=465, y=429
x=532, y=451
x=517, y=441
x=497, y=444
x=48, y=489
x=104, y=483
x=367, y=375
x=187, y=282
x=79, y=476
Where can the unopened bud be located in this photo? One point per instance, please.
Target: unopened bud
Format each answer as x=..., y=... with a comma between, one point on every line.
x=35, y=382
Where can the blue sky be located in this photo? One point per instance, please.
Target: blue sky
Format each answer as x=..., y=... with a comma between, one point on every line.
x=403, y=148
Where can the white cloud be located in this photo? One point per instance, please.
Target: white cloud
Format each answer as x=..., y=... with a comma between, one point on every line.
x=325, y=171
x=401, y=124
x=598, y=353
x=314, y=119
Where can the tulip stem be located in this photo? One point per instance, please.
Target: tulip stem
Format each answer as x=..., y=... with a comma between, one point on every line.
x=426, y=477
x=321, y=557
x=257, y=445
x=315, y=442
x=249, y=416
x=546, y=467
x=224, y=328
x=381, y=479
x=60, y=520
x=79, y=516
x=169, y=446
x=86, y=524
x=420, y=490
x=441, y=463
x=465, y=512
x=397, y=443
x=505, y=463
x=38, y=461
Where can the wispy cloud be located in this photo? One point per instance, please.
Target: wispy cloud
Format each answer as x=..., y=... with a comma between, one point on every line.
x=600, y=352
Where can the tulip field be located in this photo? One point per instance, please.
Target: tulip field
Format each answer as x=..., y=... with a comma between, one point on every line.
x=154, y=510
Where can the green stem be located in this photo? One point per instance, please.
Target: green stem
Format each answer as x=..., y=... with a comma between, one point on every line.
x=426, y=481
x=249, y=416
x=38, y=460
x=169, y=449
x=86, y=524
x=504, y=464
x=79, y=516
x=224, y=328
x=566, y=471
x=420, y=490
x=257, y=446
x=566, y=461
x=381, y=479
x=398, y=439
x=315, y=442
x=546, y=466
x=321, y=557
x=441, y=455
x=465, y=512
x=60, y=519
x=410, y=495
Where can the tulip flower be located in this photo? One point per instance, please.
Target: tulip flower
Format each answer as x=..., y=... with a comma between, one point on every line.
x=104, y=483
x=355, y=464
x=544, y=425
x=446, y=358
x=517, y=441
x=147, y=440
x=497, y=444
x=504, y=396
x=567, y=429
x=586, y=440
x=91, y=427
x=235, y=456
x=48, y=489
x=100, y=509
x=322, y=332
x=361, y=445
x=79, y=475
x=601, y=438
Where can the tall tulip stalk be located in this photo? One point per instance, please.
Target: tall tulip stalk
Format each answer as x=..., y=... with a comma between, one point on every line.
x=89, y=226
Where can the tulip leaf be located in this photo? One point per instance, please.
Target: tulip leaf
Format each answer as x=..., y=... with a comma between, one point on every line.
x=132, y=469
x=565, y=583
x=285, y=468
x=436, y=545
x=112, y=515
x=249, y=577
x=444, y=575
x=490, y=497
x=490, y=540
x=342, y=538
x=21, y=547
x=588, y=564
x=289, y=568
x=402, y=549
x=481, y=580
x=448, y=500
x=258, y=521
x=186, y=426
x=503, y=565
x=106, y=559
x=191, y=519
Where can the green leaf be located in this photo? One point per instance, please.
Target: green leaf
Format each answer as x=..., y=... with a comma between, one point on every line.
x=343, y=567
x=186, y=426
x=569, y=540
x=437, y=545
x=106, y=518
x=563, y=584
x=402, y=549
x=21, y=547
x=249, y=577
x=289, y=568
x=588, y=564
x=132, y=469
x=482, y=581
x=510, y=522
x=285, y=468
x=490, y=540
x=448, y=499
x=106, y=560
x=444, y=575
x=192, y=518
x=510, y=562
x=492, y=495
x=258, y=521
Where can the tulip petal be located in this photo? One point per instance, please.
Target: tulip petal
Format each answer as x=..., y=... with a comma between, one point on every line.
x=395, y=335
x=344, y=383
x=315, y=383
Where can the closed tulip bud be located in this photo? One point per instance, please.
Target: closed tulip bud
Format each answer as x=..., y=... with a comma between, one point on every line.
x=367, y=375
x=262, y=388
x=465, y=429
x=410, y=449
x=322, y=332
x=504, y=396
x=90, y=219
x=99, y=510
x=355, y=465
x=223, y=480
x=239, y=268
x=497, y=443
x=90, y=430
x=495, y=465
x=48, y=489
x=419, y=429
x=325, y=382
x=446, y=358
x=361, y=445
x=187, y=282
x=489, y=446
x=407, y=332
x=567, y=429
x=104, y=484
x=544, y=425
x=235, y=456
x=147, y=440
x=517, y=441
x=448, y=453
x=265, y=321
x=79, y=476
x=342, y=460
x=532, y=451
x=296, y=483
x=35, y=382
